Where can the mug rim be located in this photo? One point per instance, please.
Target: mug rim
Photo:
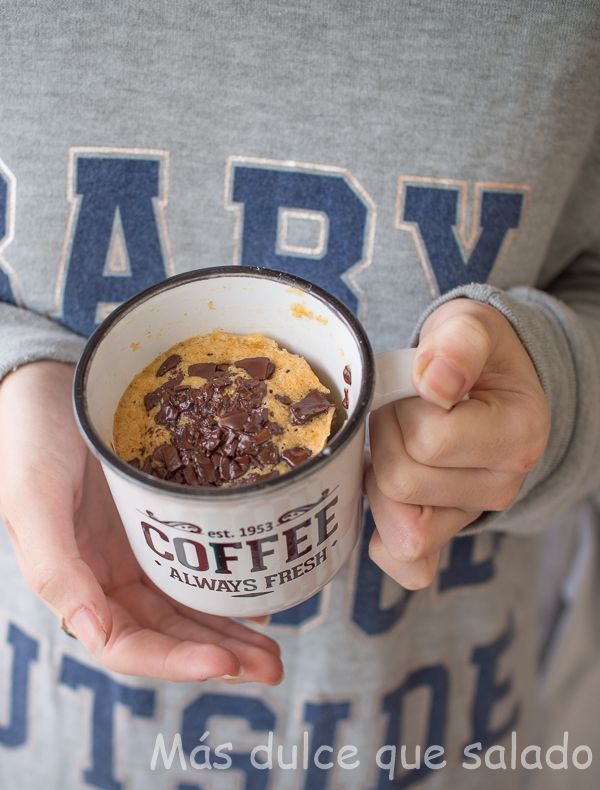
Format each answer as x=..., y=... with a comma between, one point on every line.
x=309, y=467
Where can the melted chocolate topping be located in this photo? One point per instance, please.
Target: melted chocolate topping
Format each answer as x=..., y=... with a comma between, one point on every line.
x=221, y=430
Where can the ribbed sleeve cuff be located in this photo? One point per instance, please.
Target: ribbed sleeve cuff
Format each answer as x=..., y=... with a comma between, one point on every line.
x=564, y=359
x=28, y=337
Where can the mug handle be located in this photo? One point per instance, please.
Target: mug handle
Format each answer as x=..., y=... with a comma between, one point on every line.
x=392, y=376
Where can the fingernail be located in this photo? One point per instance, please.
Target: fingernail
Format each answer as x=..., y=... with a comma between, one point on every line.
x=262, y=620
x=281, y=679
x=87, y=629
x=232, y=677
x=441, y=382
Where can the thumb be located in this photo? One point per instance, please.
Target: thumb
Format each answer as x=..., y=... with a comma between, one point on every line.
x=454, y=348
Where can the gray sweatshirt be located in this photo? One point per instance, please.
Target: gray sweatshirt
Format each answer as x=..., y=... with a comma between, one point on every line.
x=398, y=154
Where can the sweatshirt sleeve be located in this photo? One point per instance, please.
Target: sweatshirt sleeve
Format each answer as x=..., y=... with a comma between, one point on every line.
x=559, y=324
x=26, y=336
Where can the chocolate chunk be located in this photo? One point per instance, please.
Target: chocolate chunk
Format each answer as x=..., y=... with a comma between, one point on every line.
x=274, y=428
x=186, y=458
x=204, y=394
x=212, y=440
x=158, y=453
x=243, y=461
x=251, y=392
x=190, y=475
x=171, y=456
x=283, y=399
x=258, y=367
x=311, y=406
x=235, y=471
x=262, y=436
x=179, y=437
x=171, y=383
x=147, y=467
x=183, y=398
x=185, y=437
x=169, y=363
x=268, y=454
x=295, y=456
x=152, y=399
x=345, y=402
x=247, y=444
x=205, y=470
x=166, y=414
x=346, y=373
x=135, y=462
x=221, y=464
x=206, y=370
x=247, y=386
x=220, y=382
x=230, y=444
x=255, y=420
x=239, y=467
x=162, y=392
x=234, y=420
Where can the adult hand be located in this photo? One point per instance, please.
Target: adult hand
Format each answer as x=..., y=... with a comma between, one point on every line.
x=74, y=554
x=439, y=462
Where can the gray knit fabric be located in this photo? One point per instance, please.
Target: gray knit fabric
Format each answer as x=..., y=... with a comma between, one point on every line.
x=398, y=153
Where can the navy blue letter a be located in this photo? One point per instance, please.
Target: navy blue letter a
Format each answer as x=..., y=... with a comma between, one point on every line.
x=115, y=247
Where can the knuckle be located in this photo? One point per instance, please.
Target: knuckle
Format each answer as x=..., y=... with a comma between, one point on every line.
x=470, y=332
x=45, y=582
x=394, y=484
x=425, y=446
x=533, y=432
x=525, y=461
x=410, y=548
x=169, y=623
x=504, y=495
x=420, y=580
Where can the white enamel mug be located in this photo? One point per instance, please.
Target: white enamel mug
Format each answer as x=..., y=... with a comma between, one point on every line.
x=261, y=548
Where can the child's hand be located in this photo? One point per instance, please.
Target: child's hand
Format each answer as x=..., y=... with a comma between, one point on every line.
x=73, y=552
x=437, y=468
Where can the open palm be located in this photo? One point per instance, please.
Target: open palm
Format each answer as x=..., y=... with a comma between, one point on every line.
x=74, y=554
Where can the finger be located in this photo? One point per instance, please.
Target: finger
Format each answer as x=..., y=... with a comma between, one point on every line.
x=452, y=353
x=411, y=532
x=264, y=619
x=54, y=571
x=225, y=625
x=38, y=492
x=402, y=479
x=410, y=575
x=152, y=638
x=501, y=432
